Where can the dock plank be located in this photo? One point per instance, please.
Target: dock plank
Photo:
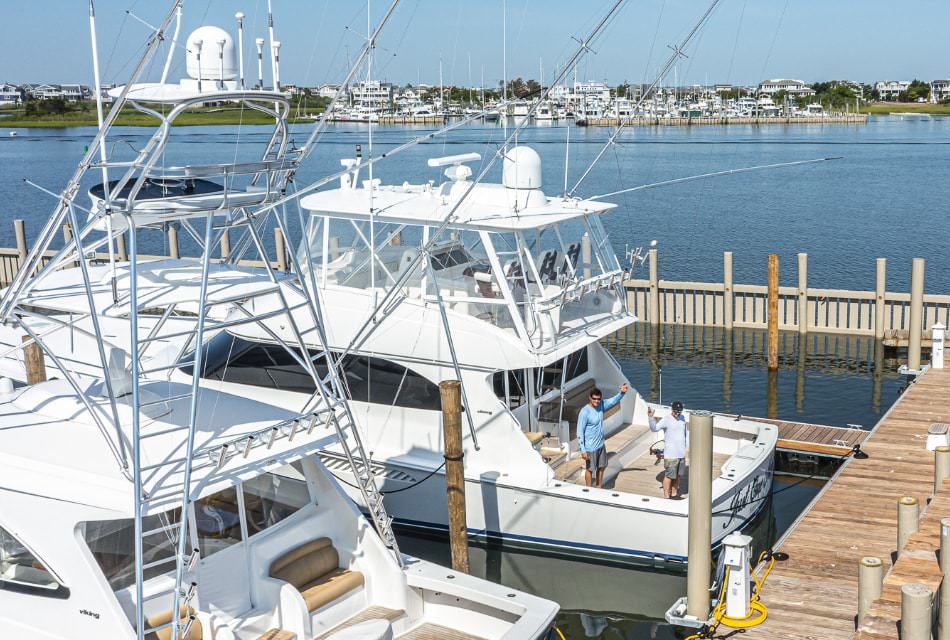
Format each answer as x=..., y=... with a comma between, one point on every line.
x=814, y=593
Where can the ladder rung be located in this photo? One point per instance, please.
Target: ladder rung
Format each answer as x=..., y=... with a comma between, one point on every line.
x=156, y=563
x=181, y=396
x=167, y=527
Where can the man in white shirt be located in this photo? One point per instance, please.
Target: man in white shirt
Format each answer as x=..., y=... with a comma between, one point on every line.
x=675, y=438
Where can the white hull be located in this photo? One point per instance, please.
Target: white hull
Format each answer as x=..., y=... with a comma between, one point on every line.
x=568, y=519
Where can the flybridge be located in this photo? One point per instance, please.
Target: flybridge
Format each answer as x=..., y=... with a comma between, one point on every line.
x=537, y=268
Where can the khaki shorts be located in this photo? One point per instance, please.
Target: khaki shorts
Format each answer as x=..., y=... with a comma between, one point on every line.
x=596, y=459
x=673, y=467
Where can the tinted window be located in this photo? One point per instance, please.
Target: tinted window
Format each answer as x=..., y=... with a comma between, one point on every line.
x=231, y=359
x=112, y=545
x=21, y=571
x=272, y=497
x=218, y=521
x=450, y=258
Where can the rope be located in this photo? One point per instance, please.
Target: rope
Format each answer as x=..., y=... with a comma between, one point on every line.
x=774, y=492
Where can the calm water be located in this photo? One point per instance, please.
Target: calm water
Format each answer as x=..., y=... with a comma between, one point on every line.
x=884, y=198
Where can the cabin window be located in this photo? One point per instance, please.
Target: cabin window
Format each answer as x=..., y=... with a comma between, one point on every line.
x=273, y=497
x=546, y=378
x=232, y=359
x=218, y=521
x=22, y=571
x=112, y=543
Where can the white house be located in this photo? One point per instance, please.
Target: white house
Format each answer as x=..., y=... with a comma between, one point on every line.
x=891, y=89
x=791, y=87
x=939, y=90
x=327, y=90
x=373, y=93
x=10, y=95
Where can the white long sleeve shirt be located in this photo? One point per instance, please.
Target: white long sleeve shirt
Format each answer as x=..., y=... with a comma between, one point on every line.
x=675, y=437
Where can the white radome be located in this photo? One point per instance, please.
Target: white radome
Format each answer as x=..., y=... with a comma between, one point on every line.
x=209, y=37
x=522, y=168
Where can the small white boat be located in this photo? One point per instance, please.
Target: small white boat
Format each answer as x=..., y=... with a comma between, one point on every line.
x=13, y=134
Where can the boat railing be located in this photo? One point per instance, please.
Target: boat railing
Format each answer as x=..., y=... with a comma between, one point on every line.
x=223, y=169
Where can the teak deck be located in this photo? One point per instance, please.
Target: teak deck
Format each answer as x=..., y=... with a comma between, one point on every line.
x=814, y=593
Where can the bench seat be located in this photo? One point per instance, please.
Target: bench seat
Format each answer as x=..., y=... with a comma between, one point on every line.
x=314, y=570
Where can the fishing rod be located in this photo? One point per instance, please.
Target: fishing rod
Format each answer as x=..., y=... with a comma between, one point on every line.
x=670, y=62
x=714, y=174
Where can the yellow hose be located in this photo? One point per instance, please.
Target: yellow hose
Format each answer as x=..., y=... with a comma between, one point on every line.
x=558, y=632
x=758, y=611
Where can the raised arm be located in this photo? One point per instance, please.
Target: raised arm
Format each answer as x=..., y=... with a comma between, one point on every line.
x=610, y=402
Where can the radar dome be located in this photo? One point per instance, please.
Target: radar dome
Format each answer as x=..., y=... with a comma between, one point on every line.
x=521, y=168
x=207, y=40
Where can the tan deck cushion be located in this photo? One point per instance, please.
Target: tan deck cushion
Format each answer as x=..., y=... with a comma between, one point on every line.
x=534, y=437
x=306, y=563
x=165, y=634
x=329, y=587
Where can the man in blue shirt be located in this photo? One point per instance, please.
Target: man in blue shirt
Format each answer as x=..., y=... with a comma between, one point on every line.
x=590, y=433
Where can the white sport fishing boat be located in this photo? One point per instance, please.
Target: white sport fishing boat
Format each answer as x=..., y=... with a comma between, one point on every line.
x=137, y=500
x=513, y=300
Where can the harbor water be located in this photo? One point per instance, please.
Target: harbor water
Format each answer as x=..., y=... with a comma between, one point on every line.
x=884, y=197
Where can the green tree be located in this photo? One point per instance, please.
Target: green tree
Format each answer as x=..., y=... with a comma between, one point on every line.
x=918, y=91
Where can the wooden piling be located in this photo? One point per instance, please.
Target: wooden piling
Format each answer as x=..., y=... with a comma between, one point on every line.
x=880, y=290
x=173, y=242
x=19, y=229
x=908, y=520
x=699, y=546
x=33, y=361
x=225, y=245
x=941, y=466
x=451, y=394
x=653, y=302
x=728, y=300
x=280, y=249
x=586, y=255
x=120, y=248
x=943, y=611
x=916, y=611
x=772, y=314
x=870, y=583
x=802, y=293
x=916, y=321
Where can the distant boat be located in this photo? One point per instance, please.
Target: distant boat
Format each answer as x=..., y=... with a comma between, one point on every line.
x=13, y=134
x=911, y=115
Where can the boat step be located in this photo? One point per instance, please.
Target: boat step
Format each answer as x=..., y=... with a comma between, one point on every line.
x=371, y=613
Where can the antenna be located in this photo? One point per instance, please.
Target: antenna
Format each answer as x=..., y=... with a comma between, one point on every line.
x=275, y=54
x=106, y=189
x=221, y=44
x=260, y=62
x=270, y=36
x=198, y=44
x=171, y=49
x=240, y=21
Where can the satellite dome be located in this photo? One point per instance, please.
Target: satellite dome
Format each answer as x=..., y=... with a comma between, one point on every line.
x=522, y=168
x=208, y=40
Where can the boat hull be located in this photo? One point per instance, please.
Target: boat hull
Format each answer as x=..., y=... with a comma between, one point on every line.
x=602, y=524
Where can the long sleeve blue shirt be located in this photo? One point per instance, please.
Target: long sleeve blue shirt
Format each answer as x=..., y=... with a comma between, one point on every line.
x=590, y=424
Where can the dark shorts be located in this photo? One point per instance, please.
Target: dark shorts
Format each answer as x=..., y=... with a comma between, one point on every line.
x=673, y=467
x=596, y=459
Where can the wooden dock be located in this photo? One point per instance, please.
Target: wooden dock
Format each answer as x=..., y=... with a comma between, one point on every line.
x=814, y=593
x=648, y=121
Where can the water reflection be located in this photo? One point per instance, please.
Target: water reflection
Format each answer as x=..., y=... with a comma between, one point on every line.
x=822, y=378
x=603, y=600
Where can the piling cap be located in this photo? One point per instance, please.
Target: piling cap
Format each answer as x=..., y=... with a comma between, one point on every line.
x=908, y=500
x=916, y=590
x=871, y=561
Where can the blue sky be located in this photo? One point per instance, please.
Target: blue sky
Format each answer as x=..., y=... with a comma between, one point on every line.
x=745, y=41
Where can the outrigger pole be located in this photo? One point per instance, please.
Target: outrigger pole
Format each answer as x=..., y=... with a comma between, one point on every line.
x=670, y=62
